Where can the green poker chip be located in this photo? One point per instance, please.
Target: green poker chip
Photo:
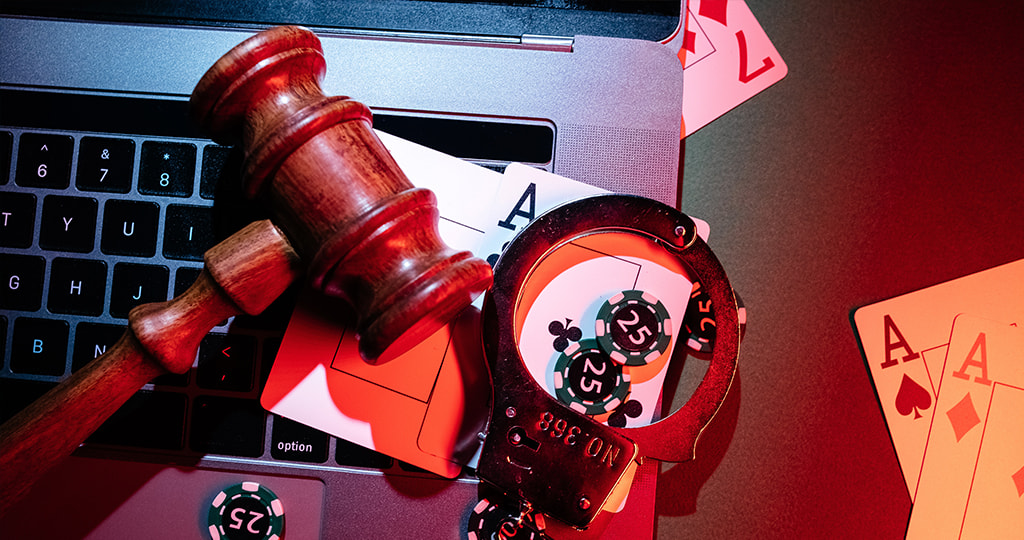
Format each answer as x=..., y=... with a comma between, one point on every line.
x=588, y=381
x=699, y=321
x=634, y=328
x=246, y=511
x=493, y=520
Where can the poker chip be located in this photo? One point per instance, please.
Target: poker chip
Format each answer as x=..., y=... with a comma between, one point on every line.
x=699, y=321
x=634, y=328
x=491, y=520
x=246, y=511
x=588, y=381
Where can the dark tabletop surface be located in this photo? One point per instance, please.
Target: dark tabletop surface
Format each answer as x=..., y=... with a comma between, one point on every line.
x=889, y=159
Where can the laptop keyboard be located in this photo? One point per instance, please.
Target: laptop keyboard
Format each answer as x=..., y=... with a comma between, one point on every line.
x=94, y=224
x=107, y=203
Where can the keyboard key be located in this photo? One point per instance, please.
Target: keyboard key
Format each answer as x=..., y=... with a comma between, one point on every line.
x=17, y=219
x=3, y=341
x=77, y=286
x=349, y=453
x=184, y=277
x=39, y=346
x=222, y=425
x=167, y=168
x=221, y=178
x=130, y=228
x=221, y=164
x=91, y=341
x=105, y=164
x=226, y=362
x=68, y=223
x=188, y=232
x=6, y=144
x=270, y=348
x=44, y=161
x=179, y=380
x=136, y=284
x=147, y=420
x=292, y=441
x=21, y=281
x=275, y=318
x=16, y=394
x=411, y=468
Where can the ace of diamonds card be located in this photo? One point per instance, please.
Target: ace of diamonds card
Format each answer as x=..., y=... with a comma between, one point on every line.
x=972, y=476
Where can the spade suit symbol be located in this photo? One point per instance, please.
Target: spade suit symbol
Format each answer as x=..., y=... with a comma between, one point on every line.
x=912, y=398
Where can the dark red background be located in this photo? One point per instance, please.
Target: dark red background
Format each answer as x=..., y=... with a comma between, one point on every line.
x=889, y=159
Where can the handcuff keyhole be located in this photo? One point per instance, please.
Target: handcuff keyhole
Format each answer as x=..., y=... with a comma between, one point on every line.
x=517, y=437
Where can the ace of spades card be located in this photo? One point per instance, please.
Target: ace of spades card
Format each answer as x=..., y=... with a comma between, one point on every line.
x=904, y=341
x=972, y=475
x=580, y=277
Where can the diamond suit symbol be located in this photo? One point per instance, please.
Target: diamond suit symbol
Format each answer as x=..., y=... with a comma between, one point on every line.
x=690, y=41
x=963, y=417
x=1018, y=480
x=715, y=10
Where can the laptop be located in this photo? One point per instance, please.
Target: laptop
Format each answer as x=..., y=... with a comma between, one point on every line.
x=93, y=111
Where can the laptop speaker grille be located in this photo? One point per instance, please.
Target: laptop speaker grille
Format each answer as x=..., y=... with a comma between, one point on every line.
x=644, y=164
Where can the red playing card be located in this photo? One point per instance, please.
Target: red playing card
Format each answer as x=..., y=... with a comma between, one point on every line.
x=727, y=59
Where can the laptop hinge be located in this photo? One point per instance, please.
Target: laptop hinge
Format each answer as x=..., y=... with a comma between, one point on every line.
x=556, y=43
x=529, y=41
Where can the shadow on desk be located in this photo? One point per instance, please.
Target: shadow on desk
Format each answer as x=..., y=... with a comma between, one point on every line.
x=679, y=484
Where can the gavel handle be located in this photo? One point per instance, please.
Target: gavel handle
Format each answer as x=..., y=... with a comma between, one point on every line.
x=244, y=273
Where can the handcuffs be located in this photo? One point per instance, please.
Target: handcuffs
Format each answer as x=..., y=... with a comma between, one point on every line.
x=540, y=451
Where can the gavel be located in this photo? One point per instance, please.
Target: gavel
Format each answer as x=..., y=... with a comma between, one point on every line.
x=370, y=237
x=339, y=203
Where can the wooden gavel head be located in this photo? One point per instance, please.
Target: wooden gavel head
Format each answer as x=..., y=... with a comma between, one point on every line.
x=369, y=236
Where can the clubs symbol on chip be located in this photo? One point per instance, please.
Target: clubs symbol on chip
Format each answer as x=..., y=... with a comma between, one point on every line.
x=564, y=333
x=912, y=398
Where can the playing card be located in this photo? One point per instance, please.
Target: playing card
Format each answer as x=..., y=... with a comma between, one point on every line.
x=971, y=478
x=997, y=493
x=525, y=193
x=904, y=343
x=464, y=190
x=727, y=59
